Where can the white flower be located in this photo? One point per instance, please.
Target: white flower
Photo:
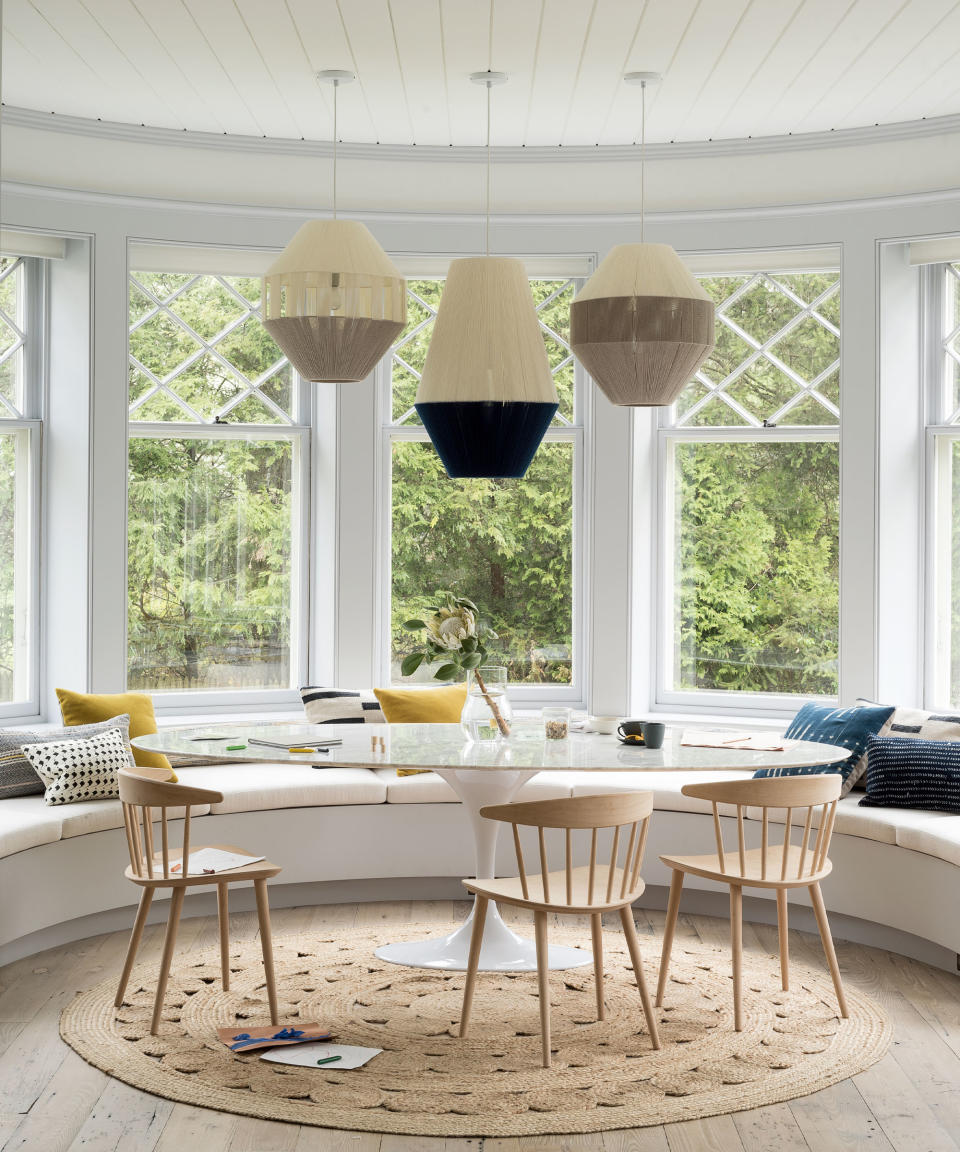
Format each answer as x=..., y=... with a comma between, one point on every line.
x=450, y=628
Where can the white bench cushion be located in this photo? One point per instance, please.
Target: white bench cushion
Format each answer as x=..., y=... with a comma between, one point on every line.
x=429, y=788
x=880, y=824
x=100, y=815
x=935, y=833
x=665, y=787
x=27, y=822
x=248, y=787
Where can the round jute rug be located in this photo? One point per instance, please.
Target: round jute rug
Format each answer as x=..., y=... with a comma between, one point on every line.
x=429, y=1082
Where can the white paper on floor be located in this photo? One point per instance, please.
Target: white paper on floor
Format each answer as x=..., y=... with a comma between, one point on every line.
x=308, y=1055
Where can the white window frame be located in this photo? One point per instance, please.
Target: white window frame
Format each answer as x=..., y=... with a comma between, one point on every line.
x=29, y=496
x=301, y=434
x=942, y=433
x=576, y=693
x=708, y=702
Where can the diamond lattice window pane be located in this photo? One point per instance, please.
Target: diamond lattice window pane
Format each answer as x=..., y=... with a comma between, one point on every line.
x=161, y=345
x=279, y=388
x=161, y=284
x=139, y=304
x=728, y=354
x=555, y=314
x=414, y=350
x=809, y=349
x=139, y=384
x=688, y=397
x=250, y=349
x=829, y=309
x=161, y=409
x=763, y=389
x=808, y=411
x=762, y=310
x=809, y=285
x=11, y=271
x=11, y=384
x=208, y=307
x=720, y=288
x=563, y=380
x=253, y=410
x=207, y=386
x=716, y=413
x=404, y=394
x=249, y=287
x=830, y=389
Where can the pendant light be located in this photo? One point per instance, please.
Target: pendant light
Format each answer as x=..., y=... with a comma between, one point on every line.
x=333, y=299
x=486, y=396
x=642, y=325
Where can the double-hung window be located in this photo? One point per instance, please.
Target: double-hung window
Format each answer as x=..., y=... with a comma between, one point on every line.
x=509, y=545
x=749, y=472
x=942, y=324
x=218, y=459
x=21, y=396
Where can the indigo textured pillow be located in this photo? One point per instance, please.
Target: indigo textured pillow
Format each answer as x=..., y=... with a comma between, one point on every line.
x=904, y=772
x=17, y=774
x=847, y=727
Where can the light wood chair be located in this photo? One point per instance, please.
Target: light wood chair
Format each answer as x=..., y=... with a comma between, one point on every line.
x=589, y=890
x=782, y=866
x=141, y=791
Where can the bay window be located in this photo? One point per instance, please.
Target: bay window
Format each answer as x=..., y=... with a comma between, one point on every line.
x=749, y=454
x=218, y=458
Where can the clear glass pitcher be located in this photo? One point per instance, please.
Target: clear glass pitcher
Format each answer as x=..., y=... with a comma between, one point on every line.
x=487, y=714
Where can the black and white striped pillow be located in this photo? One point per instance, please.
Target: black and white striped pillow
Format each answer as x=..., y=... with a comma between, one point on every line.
x=75, y=770
x=904, y=772
x=334, y=706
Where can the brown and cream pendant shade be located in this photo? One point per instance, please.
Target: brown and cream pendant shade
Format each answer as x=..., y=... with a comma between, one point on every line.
x=642, y=325
x=333, y=299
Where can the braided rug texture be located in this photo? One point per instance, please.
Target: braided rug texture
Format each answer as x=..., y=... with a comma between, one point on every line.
x=429, y=1082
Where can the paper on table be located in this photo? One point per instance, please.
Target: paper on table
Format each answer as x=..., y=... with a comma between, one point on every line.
x=742, y=741
x=307, y=1055
x=214, y=860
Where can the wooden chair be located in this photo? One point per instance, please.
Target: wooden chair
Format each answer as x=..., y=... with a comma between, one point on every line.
x=147, y=788
x=589, y=890
x=781, y=866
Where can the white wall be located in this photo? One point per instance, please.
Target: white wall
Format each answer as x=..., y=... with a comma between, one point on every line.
x=879, y=657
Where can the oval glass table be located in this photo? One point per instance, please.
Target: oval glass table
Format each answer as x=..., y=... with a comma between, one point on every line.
x=479, y=773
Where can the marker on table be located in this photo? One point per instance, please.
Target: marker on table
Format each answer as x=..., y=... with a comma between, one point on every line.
x=329, y=1059
x=235, y=747
x=308, y=749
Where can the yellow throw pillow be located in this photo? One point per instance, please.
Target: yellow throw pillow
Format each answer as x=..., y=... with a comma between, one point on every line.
x=421, y=706
x=91, y=708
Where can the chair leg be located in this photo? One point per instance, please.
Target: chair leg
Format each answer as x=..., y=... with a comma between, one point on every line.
x=633, y=944
x=783, y=934
x=169, y=943
x=543, y=982
x=824, y=925
x=596, y=933
x=673, y=910
x=223, y=916
x=473, y=961
x=736, y=948
x=146, y=896
x=266, y=946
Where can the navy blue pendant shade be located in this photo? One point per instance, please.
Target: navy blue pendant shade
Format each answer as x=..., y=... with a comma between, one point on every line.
x=486, y=396
x=486, y=438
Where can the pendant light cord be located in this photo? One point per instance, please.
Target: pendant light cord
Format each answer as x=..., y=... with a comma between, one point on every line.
x=643, y=151
x=336, y=85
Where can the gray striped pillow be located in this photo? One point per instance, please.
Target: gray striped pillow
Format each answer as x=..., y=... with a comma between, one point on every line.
x=336, y=706
x=17, y=775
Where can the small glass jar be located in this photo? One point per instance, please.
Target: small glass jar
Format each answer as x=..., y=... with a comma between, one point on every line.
x=487, y=714
x=556, y=723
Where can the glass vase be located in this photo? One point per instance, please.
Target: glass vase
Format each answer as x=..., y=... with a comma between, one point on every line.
x=487, y=714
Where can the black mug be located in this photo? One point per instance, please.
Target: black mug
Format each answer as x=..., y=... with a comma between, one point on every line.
x=649, y=733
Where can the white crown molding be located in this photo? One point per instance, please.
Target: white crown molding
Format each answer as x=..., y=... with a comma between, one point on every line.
x=820, y=208
x=672, y=150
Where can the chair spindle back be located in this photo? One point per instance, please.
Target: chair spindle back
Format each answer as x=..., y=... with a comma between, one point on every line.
x=629, y=810
x=796, y=795
x=142, y=790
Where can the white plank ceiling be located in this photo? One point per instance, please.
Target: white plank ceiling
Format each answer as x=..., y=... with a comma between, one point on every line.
x=731, y=68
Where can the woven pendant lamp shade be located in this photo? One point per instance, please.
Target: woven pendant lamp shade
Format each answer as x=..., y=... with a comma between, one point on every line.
x=486, y=396
x=334, y=301
x=642, y=325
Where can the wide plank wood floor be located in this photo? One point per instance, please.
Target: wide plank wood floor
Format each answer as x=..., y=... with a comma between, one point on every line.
x=51, y=1101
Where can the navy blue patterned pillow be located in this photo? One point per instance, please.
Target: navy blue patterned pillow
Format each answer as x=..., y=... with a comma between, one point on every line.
x=847, y=727
x=903, y=772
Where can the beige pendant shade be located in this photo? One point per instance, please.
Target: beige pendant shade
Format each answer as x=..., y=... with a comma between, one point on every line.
x=334, y=301
x=486, y=342
x=642, y=325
